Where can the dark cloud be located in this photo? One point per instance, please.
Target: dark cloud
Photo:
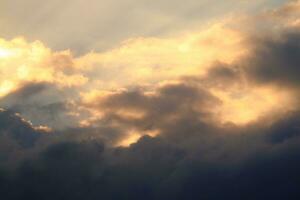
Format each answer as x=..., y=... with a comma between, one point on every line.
x=221, y=76
x=17, y=138
x=26, y=92
x=13, y=126
x=276, y=60
x=105, y=132
x=193, y=157
x=163, y=108
x=287, y=129
x=42, y=103
x=160, y=168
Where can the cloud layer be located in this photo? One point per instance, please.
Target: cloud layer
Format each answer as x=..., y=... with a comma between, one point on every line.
x=213, y=114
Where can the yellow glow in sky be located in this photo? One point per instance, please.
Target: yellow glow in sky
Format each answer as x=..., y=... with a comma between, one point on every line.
x=134, y=136
x=6, y=87
x=4, y=53
x=248, y=106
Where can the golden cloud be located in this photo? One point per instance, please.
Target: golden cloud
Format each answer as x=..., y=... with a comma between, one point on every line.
x=22, y=61
x=151, y=60
x=146, y=64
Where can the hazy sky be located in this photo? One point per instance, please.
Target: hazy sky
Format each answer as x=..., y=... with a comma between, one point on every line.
x=83, y=25
x=151, y=100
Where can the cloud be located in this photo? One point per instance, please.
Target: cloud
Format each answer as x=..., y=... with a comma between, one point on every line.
x=150, y=112
x=229, y=69
x=18, y=138
x=43, y=103
x=232, y=163
x=219, y=119
x=290, y=9
x=33, y=62
x=282, y=65
x=132, y=64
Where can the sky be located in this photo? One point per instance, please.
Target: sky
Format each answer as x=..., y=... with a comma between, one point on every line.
x=149, y=100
